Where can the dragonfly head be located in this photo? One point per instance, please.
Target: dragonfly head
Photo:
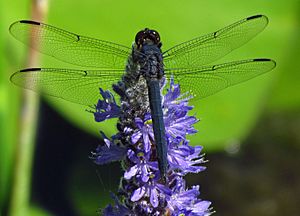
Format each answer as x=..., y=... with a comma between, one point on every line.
x=147, y=36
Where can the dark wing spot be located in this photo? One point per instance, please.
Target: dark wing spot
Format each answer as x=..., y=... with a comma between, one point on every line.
x=262, y=59
x=30, y=22
x=254, y=17
x=30, y=69
x=215, y=34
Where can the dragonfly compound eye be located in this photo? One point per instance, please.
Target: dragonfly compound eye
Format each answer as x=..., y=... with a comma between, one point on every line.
x=147, y=35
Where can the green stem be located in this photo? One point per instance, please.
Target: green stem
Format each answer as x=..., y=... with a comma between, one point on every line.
x=21, y=187
x=24, y=156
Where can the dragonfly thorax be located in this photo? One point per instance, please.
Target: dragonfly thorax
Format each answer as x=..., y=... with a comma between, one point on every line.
x=149, y=60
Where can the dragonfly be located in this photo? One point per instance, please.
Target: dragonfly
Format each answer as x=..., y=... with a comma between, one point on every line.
x=190, y=63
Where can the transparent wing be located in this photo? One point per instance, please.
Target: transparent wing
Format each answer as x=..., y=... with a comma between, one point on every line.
x=78, y=86
x=208, y=48
x=70, y=47
x=205, y=81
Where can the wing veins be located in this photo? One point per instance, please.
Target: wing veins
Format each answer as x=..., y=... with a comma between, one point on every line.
x=208, y=80
x=70, y=47
x=208, y=48
x=77, y=86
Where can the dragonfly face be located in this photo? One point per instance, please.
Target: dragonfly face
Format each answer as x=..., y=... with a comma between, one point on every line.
x=147, y=36
x=188, y=62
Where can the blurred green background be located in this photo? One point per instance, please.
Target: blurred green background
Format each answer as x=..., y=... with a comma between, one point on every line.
x=250, y=132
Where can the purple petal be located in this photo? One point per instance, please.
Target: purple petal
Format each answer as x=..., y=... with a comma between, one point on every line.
x=154, y=197
x=146, y=140
x=201, y=207
x=105, y=139
x=164, y=189
x=147, y=117
x=139, y=123
x=104, y=155
x=145, y=173
x=132, y=156
x=138, y=194
x=135, y=137
x=106, y=108
x=131, y=172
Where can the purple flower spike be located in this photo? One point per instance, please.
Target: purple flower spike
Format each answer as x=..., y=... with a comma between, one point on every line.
x=141, y=191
